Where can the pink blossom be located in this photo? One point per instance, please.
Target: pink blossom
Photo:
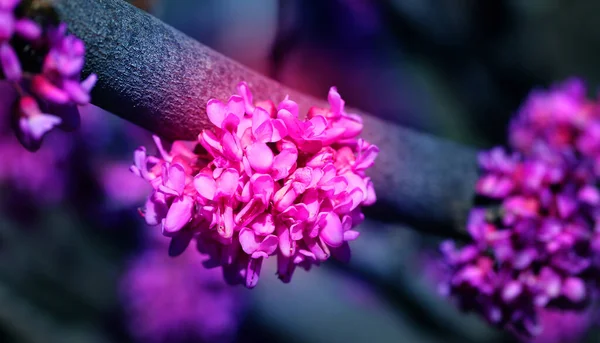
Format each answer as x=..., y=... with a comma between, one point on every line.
x=46, y=98
x=260, y=183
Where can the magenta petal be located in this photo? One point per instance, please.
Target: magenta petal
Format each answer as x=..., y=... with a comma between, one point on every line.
x=252, y=209
x=292, y=124
x=210, y=142
x=269, y=244
x=28, y=29
x=574, y=289
x=246, y=94
x=263, y=185
x=37, y=126
x=351, y=235
x=139, y=162
x=225, y=228
x=511, y=291
x=319, y=125
x=216, y=112
x=176, y=178
x=253, y=272
x=331, y=230
x=179, y=214
x=285, y=242
x=279, y=130
x=350, y=127
x=347, y=223
x=227, y=183
x=367, y=159
x=589, y=194
x=155, y=209
x=248, y=241
x=89, y=83
x=371, y=196
x=290, y=106
x=263, y=224
x=285, y=268
x=566, y=205
x=10, y=63
x=260, y=157
x=231, y=122
x=550, y=282
x=47, y=91
x=283, y=163
x=206, y=186
x=261, y=129
x=76, y=92
x=236, y=106
x=335, y=101
x=231, y=148
x=298, y=212
x=316, y=246
x=7, y=25
x=312, y=202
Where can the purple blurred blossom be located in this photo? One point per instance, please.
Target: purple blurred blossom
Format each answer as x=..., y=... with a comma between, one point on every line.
x=563, y=327
x=178, y=300
x=533, y=241
x=122, y=188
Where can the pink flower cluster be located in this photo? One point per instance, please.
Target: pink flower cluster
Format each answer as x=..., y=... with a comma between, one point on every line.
x=47, y=97
x=263, y=182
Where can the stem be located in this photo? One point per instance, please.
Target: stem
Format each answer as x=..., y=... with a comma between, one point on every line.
x=161, y=79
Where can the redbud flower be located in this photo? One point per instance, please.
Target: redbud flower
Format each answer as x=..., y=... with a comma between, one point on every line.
x=262, y=182
x=534, y=238
x=42, y=175
x=48, y=99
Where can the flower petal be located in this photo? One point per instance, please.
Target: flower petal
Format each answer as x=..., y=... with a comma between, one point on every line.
x=10, y=63
x=331, y=229
x=260, y=157
x=248, y=240
x=263, y=224
x=253, y=272
x=176, y=178
x=206, y=186
x=216, y=112
x=227, y=183
x=246, y=94
x=179, y=214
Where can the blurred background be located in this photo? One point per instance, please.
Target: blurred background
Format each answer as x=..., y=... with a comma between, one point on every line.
x=79, y=265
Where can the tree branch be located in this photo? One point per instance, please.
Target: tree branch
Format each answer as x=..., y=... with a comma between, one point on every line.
x=160, y=79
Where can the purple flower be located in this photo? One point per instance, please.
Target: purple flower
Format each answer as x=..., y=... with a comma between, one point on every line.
x=178, y=300
x=534, y=240
x=47, y=99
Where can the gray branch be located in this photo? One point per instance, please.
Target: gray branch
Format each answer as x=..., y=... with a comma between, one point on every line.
x=160, y=79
